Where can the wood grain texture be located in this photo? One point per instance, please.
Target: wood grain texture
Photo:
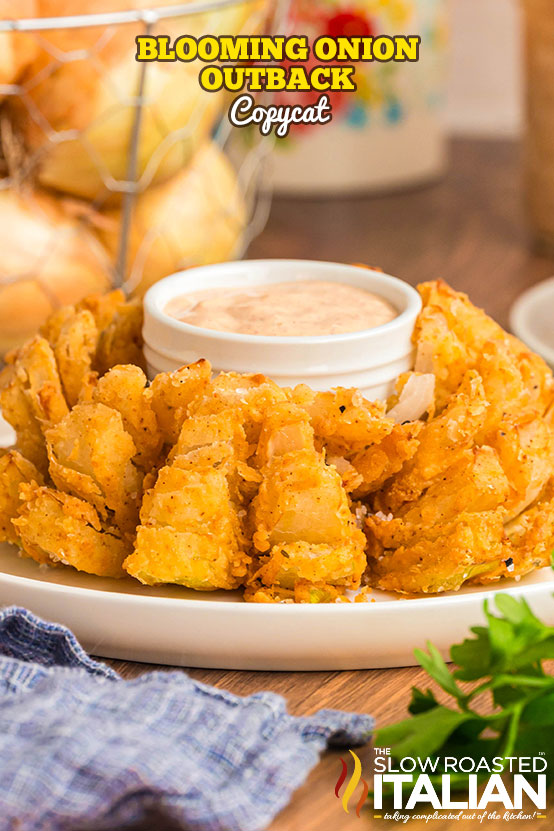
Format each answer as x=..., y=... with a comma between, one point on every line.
x=470, y=230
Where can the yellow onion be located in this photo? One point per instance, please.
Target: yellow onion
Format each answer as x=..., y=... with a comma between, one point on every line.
x=95, y=95
x=48, y=258
x=17, y=49
x=195, y=218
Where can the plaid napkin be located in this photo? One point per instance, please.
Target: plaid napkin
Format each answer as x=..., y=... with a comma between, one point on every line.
x=80, y=748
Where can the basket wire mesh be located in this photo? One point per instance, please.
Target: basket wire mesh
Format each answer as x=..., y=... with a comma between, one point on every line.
x=249, y=158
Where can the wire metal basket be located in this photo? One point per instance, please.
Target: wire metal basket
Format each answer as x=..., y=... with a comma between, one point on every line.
x=155, y=113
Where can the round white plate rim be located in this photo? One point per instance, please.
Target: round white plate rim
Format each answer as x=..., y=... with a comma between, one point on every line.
x=519, y=314
x=396, y=605
x=241, y=636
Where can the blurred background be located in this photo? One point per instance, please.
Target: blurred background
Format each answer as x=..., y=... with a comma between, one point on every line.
x=486, y=77
x=118, y=173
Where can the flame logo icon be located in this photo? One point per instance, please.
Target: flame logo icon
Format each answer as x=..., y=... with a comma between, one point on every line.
x=352, y=784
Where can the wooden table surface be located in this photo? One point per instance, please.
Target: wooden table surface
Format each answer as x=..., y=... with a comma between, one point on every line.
x=470, y=230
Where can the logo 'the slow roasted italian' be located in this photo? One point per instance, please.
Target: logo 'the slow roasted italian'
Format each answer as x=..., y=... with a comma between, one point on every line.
x=353, y=782
x=485, y=791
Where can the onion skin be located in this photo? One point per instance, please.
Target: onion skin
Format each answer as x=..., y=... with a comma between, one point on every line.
x=95, y=96
x=196, y=218
x=17, y=49
x=49, y=259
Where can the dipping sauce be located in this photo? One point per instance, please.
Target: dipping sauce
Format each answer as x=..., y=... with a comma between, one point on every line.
x=311, y=307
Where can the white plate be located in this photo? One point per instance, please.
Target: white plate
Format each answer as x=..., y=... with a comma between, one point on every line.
x=532, y=316
x=173, y=625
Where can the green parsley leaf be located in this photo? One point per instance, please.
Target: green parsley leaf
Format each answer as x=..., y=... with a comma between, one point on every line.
x=502, y=662
x=422, y=701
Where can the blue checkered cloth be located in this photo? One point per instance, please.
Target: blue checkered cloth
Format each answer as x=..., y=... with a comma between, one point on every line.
x=80, y=748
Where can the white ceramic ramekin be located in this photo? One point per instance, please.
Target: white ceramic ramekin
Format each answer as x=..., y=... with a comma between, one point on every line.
x=370, y=359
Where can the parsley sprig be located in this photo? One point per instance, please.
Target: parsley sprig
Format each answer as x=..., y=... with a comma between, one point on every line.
x=505, y=709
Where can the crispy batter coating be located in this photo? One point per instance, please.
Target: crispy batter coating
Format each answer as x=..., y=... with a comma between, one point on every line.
x=54, y=323
x=190, y=532
x=74, y=349
x=450, y=336
x=531, y=536
x=300, y=519
x=191, y=529
x=442, y=441
x=488, y=453
x=344, y=422
x=124, y=388
x=172, y=393
x=253, y=394
x=56, y=528
x=219, y=440
x=100, y=332
x=351, y=479
x=365, y=446
x=197, y=561
x=303, y=592
x=300, y=499
x=439, y=348
x=439, y=557
x=15, y=470
x=286, y=428
x=241, y=482
x=120, y=340
x=379, y=462
x=31, y=398
x=90, y=455
x=506, y=388
x=103, y=307
x=321, y=564
x=528, y=541
x=201, y=431
x=97, y=333
x=525, y=447
x=475, y=482
x=474, y=487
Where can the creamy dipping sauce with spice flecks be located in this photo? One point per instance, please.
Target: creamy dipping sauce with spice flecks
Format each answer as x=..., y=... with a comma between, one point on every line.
x=284, y=309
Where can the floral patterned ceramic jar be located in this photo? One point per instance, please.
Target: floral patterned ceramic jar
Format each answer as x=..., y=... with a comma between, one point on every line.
x=388, y=134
